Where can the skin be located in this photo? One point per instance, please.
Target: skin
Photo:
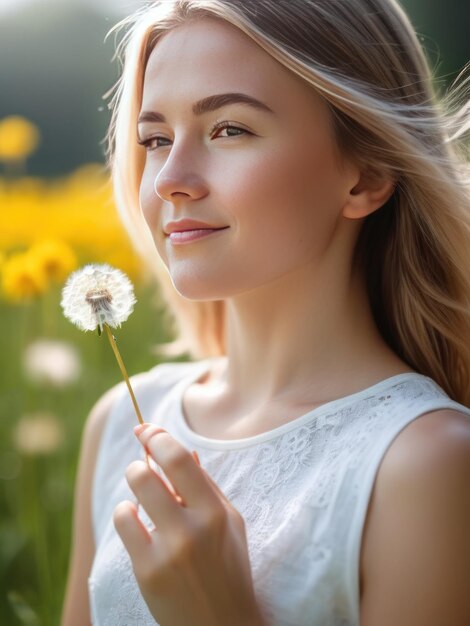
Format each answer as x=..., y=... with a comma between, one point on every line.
x=194, y=568
x=294, y=207
x=280, y=186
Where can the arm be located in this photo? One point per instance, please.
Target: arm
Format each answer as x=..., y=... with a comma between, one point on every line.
x=416, y=544
x=76, y=610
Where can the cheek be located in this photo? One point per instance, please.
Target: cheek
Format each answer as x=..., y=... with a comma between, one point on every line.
x=149, y=201
x=290, y=197
x=151, y=206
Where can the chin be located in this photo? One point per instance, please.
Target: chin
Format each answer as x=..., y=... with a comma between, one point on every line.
x=198, y=283
x=204, y=290
x=196, y=290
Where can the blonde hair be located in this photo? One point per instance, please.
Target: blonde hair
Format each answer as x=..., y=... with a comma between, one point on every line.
x=364, y=58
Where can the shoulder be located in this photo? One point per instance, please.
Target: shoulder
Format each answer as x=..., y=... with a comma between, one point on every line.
x=91, y=439
x=434, y=447
x=434, y=442
x=416, y=543
x=82, y=549
x=98, y=415
x=146, y=385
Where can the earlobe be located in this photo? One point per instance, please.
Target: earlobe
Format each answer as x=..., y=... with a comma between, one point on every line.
x=368, y=196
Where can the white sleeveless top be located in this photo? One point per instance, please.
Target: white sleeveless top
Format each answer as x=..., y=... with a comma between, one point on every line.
x=303, y=490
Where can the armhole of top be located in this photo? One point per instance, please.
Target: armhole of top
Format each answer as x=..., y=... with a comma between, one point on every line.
x=367, y=477
x=100, y=460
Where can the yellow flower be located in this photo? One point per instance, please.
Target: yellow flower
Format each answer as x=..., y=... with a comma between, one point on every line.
x=22, y=278
x=55, y=257
x=77, y=209
x=18, y=138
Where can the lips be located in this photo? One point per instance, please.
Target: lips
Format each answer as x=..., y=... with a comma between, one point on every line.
x=188, y=236
x=189, y=225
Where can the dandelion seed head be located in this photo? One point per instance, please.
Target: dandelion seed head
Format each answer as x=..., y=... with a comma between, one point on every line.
x=97, y=295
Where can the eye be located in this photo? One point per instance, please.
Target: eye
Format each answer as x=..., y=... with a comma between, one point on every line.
x=229, y=129
x=152, y=143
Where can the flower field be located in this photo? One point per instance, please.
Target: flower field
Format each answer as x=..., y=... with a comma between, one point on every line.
x=52, y=373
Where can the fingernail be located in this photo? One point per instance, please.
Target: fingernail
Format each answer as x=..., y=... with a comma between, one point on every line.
x=196, y=457
x=138, y=430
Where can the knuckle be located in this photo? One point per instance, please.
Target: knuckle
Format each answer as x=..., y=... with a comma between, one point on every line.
x=149, y=574
x=239, y=521
x=175, y=457
x=212, y=522
x=137, y=473
x=157, y=573
x=217, y=518
x=182, y=549
x=121, y=514
x=237, y=517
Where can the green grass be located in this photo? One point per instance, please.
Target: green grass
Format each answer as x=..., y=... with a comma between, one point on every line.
x=36, y=495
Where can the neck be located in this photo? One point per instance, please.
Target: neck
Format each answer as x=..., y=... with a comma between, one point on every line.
x=308, y=337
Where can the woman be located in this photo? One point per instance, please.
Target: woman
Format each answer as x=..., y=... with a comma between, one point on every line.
x=289, y=163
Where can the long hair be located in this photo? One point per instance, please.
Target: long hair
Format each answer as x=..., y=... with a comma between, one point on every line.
x=364, y=58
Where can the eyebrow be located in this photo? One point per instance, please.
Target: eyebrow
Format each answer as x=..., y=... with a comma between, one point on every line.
x=211, y=103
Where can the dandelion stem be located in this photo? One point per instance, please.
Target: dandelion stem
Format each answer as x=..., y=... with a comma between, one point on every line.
x=113, y=343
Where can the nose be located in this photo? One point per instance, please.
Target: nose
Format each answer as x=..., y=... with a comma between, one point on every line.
x=179, y=177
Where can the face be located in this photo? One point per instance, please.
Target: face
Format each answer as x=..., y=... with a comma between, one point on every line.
x=261, y=166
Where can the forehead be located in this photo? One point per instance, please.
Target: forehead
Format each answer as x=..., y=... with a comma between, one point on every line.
x=208, y=56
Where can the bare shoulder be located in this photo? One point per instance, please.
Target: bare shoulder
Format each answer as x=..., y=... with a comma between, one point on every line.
x=76, y=603
x=98, y=415
x=415, y=556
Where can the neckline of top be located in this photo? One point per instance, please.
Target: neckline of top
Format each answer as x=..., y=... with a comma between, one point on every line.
x=202, y=367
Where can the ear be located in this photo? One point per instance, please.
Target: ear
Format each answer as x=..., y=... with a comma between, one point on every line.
x=369, y=194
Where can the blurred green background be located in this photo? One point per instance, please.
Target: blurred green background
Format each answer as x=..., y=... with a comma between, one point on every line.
x=56, y=212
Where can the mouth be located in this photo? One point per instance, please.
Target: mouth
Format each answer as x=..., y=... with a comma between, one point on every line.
x=185, y=236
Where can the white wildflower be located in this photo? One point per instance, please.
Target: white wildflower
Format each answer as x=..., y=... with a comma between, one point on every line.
x=38, y=433
x=55, y=363
x=97, y=295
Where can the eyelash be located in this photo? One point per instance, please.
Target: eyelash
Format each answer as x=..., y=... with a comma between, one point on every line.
x=224, y=125
x=218, y=126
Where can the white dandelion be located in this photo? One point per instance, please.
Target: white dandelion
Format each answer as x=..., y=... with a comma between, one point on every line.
x=38, y=433
x=96, y=295
x=52, y=362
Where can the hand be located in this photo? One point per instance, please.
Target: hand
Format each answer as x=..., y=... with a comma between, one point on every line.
x=193, y=569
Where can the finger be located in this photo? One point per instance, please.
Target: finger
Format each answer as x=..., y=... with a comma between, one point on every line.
x=130, y=528
x=210, y=479
x=180, y=467
x=216, y=488
x=153, y=465
x=159, y=503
